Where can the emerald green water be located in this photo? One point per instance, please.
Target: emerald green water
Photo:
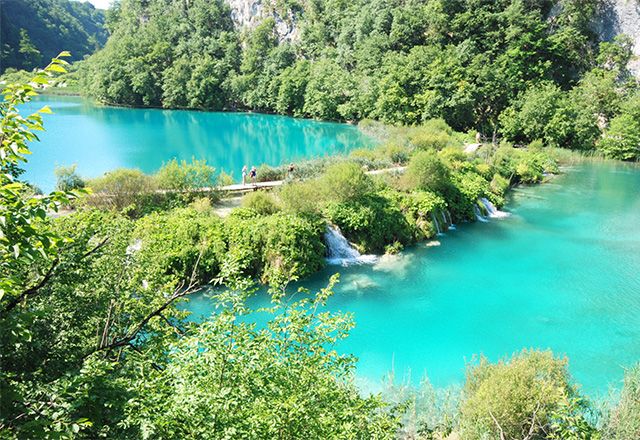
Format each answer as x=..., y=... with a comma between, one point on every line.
x=100, y=139
x=560, y=272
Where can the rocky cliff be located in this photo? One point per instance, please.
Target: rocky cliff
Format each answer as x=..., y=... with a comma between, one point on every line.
x=249, y=13
x=617, y=17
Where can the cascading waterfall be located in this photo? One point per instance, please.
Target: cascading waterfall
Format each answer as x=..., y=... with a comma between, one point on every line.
x=450, y=221
x=492, y=210
x=340, y=252
x=435, y=221
x=479, y=216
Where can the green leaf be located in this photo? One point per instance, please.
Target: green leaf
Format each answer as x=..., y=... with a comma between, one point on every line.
x=56, y=68
x=40, y=79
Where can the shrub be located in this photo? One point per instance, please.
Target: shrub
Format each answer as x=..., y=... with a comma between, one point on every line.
x=267, y=173
x=499, y=184
x=124, y=188
x=426, y=171
x=363, y=153
x=300, y=197
x=622, y=139
x=184, y=179
x=371, y=222
x=344, y=182
x=281, y=243
x=174, y=244
x=292, y=245
x=624, y=422
x=261, y=201
x=434, y=134
x=68, y=179
x=515, y=397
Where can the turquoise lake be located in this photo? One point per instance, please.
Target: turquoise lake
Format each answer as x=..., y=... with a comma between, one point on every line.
x=99, y=139
x=560, y=272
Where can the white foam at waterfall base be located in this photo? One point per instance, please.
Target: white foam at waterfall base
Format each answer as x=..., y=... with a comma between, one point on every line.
x=340, y=252
x=492, y=210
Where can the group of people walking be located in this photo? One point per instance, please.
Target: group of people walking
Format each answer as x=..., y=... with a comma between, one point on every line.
x=253, y=174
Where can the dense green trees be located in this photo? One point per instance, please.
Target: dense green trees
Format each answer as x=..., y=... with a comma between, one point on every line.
x=35, y=30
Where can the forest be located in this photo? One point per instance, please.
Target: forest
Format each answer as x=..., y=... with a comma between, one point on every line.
x=34, y=31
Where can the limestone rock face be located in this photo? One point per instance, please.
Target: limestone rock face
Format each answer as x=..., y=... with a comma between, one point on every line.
x=617, y=17
x=249, y=13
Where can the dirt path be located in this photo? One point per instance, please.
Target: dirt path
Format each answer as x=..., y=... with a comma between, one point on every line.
x=224, y=206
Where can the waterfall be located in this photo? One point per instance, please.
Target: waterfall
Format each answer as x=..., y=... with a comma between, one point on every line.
x=492, y=210
x=435, y=221
x=444, y=217
x=450, y=221
x=340, y=252
x=479, y=216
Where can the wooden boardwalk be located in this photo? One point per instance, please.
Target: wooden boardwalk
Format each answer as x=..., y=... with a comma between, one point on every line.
x=239, y=187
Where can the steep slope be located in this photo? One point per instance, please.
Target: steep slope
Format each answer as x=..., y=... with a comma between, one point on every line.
x=34, y=31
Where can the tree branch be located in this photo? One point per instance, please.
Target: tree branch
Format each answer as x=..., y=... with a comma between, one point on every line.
x=45, y=279
x=496, y=422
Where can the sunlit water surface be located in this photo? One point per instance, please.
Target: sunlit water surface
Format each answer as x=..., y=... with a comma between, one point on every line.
x=561, y=272
x=99, y=139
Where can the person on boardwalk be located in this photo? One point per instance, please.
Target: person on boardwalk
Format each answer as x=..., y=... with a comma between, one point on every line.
x=253, y=173
x=291, y=170
x=245, y=173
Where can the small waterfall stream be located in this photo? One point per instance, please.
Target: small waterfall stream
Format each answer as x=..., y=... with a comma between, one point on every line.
x=492, y=210
x=435, y=221
x=479, y=216
x=340, y=252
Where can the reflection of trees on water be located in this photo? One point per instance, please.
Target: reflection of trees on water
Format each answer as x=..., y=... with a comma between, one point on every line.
x=145, y=138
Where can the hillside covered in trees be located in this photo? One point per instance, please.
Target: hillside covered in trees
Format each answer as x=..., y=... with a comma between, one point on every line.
x=32, y=32
x=520, y=70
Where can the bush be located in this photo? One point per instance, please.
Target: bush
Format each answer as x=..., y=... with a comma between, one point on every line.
x=426, y=171
x=175, y=243
x=300, y=197
x=124, y=188
x=68, y=179
x=281, y=243
x=344, y=182
x=499, y=184
x=622, y=139
x=183, y=179
x=371, y=222
x=434, y=134
x=515, y=396
x=261, y=201
x=624, y=422
x=266, y=173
